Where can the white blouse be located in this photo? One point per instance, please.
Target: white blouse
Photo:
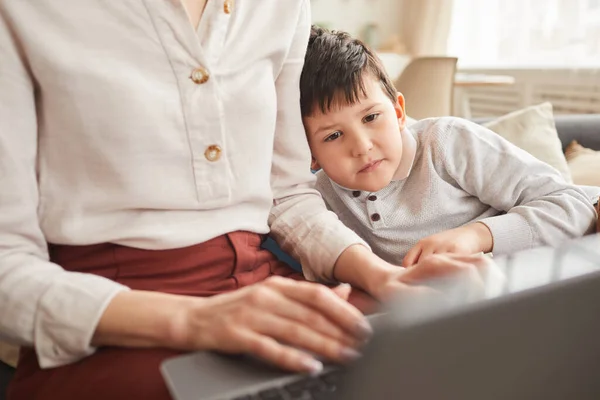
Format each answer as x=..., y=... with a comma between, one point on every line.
x=121, y=123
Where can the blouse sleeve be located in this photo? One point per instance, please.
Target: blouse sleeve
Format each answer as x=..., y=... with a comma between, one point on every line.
x=41, y=305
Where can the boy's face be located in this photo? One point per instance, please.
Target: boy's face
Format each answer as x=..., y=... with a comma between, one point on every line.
x=359, y=146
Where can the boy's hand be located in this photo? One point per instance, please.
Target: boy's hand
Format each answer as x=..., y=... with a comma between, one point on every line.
x=470, y=272
x=361, y=268
x=466, y=240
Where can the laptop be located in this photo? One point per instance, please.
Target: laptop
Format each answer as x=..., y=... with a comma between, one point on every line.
x=535, y=334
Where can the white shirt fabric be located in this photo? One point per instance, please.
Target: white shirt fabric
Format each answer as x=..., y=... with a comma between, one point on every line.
x=455, y=172
x=105, y=137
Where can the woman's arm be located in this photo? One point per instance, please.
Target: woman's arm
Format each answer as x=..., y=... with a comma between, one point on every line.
x=256, y=320
x=64, y=314
x=41, y=305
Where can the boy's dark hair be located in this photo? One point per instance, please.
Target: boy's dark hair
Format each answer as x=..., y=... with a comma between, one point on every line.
x=334, y=69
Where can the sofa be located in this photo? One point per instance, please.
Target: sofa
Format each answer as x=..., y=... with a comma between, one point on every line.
x=585, y=129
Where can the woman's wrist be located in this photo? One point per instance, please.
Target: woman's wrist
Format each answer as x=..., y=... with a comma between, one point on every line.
x=145, y=319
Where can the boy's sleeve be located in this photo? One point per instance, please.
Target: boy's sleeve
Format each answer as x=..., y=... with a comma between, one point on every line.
x=541, y=208
x=299, y=220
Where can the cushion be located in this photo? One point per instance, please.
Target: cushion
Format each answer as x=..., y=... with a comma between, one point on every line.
x=584, y=164
x=533, y=130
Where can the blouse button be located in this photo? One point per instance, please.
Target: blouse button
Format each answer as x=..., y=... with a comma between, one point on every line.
x=375, y=217
x=356, y=193
x=200, y=75
x=213, y=153
x=372, y=197
x=228, y=6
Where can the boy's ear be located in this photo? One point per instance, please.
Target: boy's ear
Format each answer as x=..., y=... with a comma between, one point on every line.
x=400, y=110
x=314, y=165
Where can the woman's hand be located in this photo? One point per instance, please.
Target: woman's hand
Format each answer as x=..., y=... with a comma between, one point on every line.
x=466, y=240
x=279, y=320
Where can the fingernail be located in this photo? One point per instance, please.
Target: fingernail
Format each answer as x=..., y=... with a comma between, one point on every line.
x=365, y=328
x=344, y=285
x=349, y=354
x=313, y=366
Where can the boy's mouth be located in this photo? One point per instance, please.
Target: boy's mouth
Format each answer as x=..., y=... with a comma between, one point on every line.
x=372, y=166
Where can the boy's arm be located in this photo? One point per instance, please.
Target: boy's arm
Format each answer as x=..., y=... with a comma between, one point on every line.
x=299, y=220
x=541, y=208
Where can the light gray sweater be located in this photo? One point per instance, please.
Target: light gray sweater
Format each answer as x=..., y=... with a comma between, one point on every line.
x=462, y=173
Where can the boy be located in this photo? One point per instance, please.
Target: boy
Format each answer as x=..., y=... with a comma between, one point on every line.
x=444, y=185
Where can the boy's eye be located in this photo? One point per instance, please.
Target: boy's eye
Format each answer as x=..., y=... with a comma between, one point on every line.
x=333, y=136
x=370, y=118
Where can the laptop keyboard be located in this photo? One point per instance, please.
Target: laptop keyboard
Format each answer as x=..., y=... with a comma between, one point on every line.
x=308, y=388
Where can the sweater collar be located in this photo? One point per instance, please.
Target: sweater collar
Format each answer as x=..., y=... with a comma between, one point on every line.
x=409, y=151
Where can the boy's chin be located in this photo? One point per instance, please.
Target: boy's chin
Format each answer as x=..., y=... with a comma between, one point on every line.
x=373, y=185
x=370, y=188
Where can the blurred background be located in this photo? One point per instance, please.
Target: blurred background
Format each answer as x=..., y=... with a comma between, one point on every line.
x=509, y=54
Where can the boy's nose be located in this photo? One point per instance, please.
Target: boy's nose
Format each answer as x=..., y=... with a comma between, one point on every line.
x=362, y=146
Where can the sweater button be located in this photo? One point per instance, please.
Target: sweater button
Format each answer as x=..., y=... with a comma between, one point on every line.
x=372, y=197
x=356, y=193
x=375, y=217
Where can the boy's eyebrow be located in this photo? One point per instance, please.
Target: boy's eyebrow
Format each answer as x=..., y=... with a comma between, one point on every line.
x=324, y=128
x=368, y=108
x=331, y=126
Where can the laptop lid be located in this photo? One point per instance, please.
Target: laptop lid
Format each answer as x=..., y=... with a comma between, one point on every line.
x=529, y=341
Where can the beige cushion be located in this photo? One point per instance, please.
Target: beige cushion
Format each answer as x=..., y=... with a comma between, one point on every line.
x=9, y=353
x=584, y=164
x=533, y=130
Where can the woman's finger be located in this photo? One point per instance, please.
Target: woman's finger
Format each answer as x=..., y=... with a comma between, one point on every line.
x=278, y=303
x=268, y=349
x=325, y=302
x=303, y=336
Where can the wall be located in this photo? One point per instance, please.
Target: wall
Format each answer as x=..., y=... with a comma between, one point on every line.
x=353, y=15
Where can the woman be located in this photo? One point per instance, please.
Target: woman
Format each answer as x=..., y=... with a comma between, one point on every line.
x=146, y=147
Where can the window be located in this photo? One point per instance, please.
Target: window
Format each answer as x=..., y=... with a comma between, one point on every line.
x=526, y=33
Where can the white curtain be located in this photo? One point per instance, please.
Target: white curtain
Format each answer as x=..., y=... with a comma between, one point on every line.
x=425, y=26
x=526, y=33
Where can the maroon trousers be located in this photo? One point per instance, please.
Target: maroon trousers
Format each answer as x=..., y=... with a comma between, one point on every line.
x=219, y=265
